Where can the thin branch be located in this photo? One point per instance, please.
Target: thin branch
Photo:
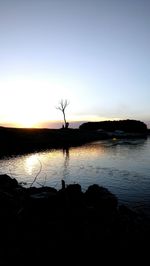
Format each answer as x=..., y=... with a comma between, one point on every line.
x=42, y=185
x=59, y=108
x=37, y=173
x=62, y=105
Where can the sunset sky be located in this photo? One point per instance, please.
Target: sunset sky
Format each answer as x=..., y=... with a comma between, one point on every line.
x=95, y=53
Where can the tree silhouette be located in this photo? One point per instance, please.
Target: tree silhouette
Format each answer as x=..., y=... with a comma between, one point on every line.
x=62, y=106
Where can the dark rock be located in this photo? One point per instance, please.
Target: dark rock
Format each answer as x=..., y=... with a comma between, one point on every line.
x=39, y=202
x=101, y=197
x=47, y=191
x=45, y=222
x=8, y=204
x=125, y=211
x=73, y=190
x=6, y=182
x=71, y=195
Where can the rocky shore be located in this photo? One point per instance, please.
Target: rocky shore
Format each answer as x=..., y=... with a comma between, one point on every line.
x=46, y=226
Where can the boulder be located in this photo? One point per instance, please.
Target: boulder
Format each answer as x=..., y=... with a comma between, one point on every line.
x=101, y=197
x=6, y=182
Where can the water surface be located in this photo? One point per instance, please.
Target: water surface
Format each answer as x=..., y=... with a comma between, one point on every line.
x=122, y=166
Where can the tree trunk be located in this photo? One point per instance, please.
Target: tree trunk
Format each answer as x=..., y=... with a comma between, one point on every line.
x=64, y=119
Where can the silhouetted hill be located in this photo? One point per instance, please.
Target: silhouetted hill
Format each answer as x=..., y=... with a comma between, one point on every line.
x=128, y=125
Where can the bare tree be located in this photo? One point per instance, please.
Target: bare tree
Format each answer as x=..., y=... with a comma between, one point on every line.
x=62, y=106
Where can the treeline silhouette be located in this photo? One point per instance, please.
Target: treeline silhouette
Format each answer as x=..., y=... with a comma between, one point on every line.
x=128, y=125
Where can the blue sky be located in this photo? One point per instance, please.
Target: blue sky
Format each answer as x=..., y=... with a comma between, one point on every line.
x=93, y=53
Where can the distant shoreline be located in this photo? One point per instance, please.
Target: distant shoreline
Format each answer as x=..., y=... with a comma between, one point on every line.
x=17, y=141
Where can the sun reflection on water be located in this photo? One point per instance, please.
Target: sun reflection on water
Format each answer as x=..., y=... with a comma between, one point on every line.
x=31, y=163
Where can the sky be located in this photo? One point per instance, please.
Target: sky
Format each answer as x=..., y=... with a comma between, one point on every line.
x=94, y=53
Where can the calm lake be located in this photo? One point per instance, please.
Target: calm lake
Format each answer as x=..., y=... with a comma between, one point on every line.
x=122, y=166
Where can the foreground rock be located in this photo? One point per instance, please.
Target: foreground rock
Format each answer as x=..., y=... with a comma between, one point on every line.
x=67, y=226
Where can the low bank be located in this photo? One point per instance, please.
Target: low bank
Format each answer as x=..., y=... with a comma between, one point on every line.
x=18, y=140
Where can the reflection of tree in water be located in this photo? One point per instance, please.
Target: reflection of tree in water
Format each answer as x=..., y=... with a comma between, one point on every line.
x=66, y=162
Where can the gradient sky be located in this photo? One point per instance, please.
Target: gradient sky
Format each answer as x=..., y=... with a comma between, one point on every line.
x=95, y=53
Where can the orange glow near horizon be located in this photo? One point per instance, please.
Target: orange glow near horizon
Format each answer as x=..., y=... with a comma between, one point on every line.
x=29, y=102
x=32, y=103
x=32, y=122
